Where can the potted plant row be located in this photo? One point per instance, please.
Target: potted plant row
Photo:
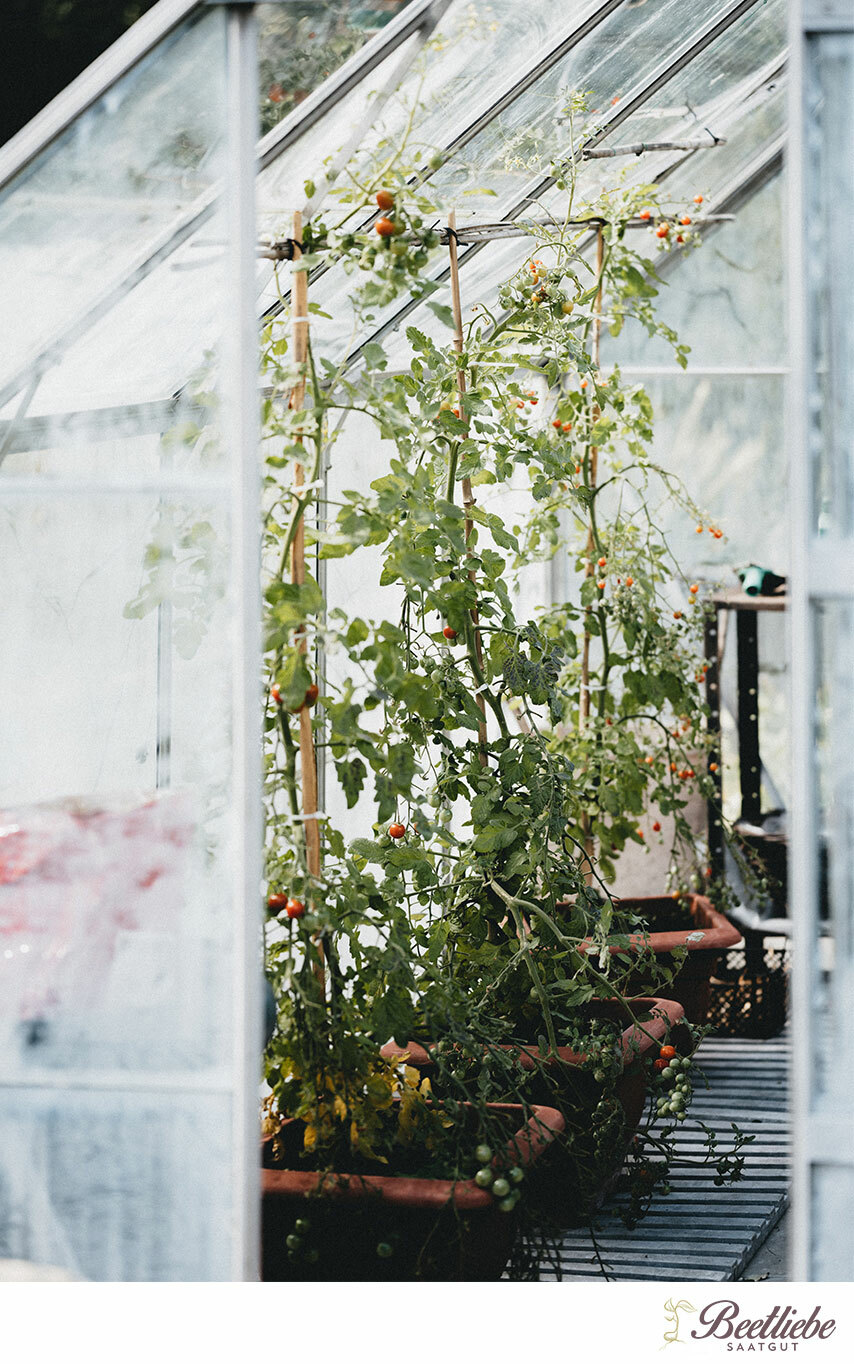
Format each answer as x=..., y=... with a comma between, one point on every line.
x=493, y=767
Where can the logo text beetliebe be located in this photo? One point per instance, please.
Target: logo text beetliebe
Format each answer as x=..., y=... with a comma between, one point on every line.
x=781, y=1329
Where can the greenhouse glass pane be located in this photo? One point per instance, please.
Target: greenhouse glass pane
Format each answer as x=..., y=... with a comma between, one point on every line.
x=124, y=830
x=725, y=300
x=119, y=1190
x=757, y=124
x=281, y=185
x=832, y=1242
x=685, y=107
x=106, y=191
x=620, y=54
x=830, y=253
x=300, y=44
x=832, y=1043
x=439, y=84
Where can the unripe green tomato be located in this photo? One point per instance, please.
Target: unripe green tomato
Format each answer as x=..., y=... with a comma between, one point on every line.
x=483, y=1153
x=302, y=1226
x=517, y=1174
x=435, y=799
x=483, y=1178
x=501, y=1188
x=567, y=307
x=436, y=160
x=444, y=816
x=293, y=1242
x=667, y=1073
x=599, y=1075
x=385, y=1250
x=399, y=248
x=508, y=1204
x=312, y=1255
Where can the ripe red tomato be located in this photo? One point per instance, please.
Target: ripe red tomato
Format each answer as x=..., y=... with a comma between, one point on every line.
x=698, y=198
x=311, y=695
x=397, y=830
x=677, y=615
x=699, y=530
x=385, y=199
x=656, y=828
x=639, y=833
x=601, y=586
x=667, y=1053
x=449, y=632
x=276, y=695
x=630, y=582
x=695, y=587
x=277, y=901
x=663, y=230
x=601, y=562
x=557, y=424
x=685, y=221
x=713, y=767
x=645, y=214
x=680, y=238
x=567, y=426
x=295, y=909
x=384, y=227
x=659, y=1064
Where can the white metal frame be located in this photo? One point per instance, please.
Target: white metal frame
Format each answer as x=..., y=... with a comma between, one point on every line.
x=242, y=435
x=821, y=569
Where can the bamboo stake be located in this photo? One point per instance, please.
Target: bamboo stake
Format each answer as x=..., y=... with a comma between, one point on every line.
x=593, y=469
x=308, y=757
x=468, y=498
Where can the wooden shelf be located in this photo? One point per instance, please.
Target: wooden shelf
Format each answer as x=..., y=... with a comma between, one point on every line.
x=735, y=600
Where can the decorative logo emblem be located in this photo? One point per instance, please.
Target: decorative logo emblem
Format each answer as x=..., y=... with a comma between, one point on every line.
x=671, y=1313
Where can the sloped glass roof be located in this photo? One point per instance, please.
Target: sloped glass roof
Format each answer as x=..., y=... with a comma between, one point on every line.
x=488, y=84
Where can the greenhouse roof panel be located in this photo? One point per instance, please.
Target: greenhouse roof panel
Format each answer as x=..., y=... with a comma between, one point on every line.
x=485, y=80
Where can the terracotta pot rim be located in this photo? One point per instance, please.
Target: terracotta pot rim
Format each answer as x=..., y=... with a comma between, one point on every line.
x=524, y=1148
x=719, y=935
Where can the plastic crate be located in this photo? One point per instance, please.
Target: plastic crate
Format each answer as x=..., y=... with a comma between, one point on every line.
x=749, y=992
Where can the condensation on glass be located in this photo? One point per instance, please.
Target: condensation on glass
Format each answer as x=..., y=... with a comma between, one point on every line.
x=118, y=821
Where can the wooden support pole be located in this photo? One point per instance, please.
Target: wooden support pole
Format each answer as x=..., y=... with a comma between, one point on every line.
x=468, y=498
x=308, y=757
x=593, y=474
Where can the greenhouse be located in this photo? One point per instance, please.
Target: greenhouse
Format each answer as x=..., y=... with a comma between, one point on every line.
x=426, y=783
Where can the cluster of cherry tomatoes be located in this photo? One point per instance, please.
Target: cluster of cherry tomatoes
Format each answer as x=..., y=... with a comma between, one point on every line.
x=500, y=1185
x=664, y=227
x=675, y=1086
x=294, y=909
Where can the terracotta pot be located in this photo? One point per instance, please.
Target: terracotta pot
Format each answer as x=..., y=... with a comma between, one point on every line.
x=710, y=936
x=635, y=1043
x=436, y=1229
x=559, y=1080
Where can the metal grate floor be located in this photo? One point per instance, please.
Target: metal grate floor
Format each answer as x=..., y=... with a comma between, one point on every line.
x=701, y=1230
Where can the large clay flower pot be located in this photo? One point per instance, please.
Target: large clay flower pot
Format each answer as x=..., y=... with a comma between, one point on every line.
x=385, y=1227
x=688, y=921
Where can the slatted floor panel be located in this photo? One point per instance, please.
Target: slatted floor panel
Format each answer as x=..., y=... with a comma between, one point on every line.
x=701, y=1230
